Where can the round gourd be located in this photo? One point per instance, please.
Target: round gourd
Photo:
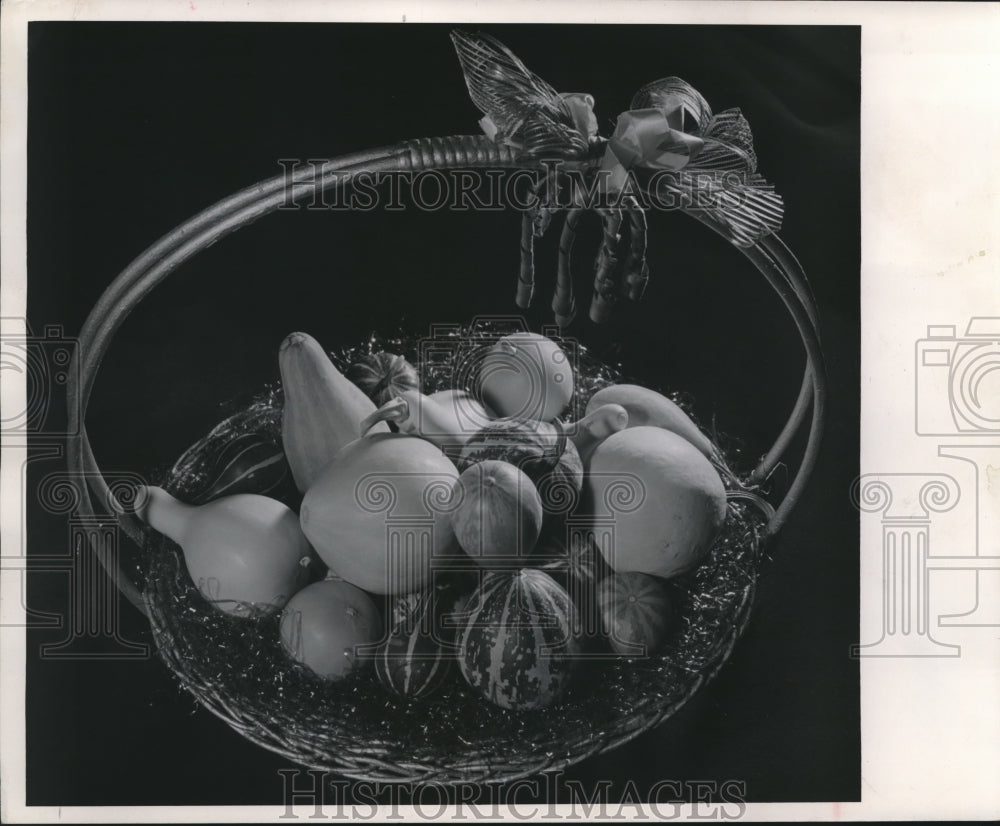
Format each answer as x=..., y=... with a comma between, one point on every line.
x=381, y=511
x=518, y=648
x=636, y=613
x=538, y=449
x=416, y=658
x=331, y=627
x=499, y=515
x=526, y=375
x=665, y=500
x=383, y=376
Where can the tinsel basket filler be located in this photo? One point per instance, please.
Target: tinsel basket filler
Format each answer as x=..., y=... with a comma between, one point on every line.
x=667, y=145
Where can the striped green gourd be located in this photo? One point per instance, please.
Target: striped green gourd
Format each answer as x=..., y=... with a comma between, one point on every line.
x=518, y=648
x=416, y=658
x=249, y=463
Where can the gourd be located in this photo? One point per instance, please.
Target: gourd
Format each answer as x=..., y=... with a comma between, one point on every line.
x=331, y=627
x=540, y=449
x=499, y=515
x=381, y=511
x=636, y=613
x=416, y=658
x=526, y=375
x=646, y=407
x=595, y=427
x=245, y=553
x=667, y=500
x=383, y=376
x=249, y=463
x=519, y=648
x=322, y=411
x=448, y=418
x=576, y=565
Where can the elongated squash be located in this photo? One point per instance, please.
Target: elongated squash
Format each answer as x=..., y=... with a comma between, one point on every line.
x=323, y=410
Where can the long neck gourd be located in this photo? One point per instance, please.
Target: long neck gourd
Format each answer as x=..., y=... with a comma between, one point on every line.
x=246, y=553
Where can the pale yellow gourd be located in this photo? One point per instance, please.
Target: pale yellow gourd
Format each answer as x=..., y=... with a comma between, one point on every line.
x=665, y=499
x=648, y=408
x=381, y=512
x=448, y=418
x=527, y=376
x=595, y=427
x=246, y=554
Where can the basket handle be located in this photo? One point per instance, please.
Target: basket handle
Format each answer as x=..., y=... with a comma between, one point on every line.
x=151, y=267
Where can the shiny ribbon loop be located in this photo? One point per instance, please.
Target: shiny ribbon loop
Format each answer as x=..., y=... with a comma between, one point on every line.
x=645, y=138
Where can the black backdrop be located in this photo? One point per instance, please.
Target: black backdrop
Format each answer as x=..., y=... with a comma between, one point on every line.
x=135, y=127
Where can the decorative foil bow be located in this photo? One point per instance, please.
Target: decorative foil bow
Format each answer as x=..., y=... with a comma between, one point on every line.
x=668, y=146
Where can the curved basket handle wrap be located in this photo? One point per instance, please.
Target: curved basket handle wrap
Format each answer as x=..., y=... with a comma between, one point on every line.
x=770, y=257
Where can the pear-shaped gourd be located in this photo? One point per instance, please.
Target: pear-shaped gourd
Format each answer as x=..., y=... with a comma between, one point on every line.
x=246, y=554
x=448, y=418
x=323, y=409
x=647, y=408
x=595, y=427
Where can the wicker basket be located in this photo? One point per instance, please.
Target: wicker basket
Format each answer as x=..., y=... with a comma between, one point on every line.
x=354, y=728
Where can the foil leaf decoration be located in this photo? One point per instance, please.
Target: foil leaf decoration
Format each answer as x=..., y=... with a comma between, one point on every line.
x=682, y=104
x=721, y=177
x=520, y=108
x=728, y=143
x=746, y=205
